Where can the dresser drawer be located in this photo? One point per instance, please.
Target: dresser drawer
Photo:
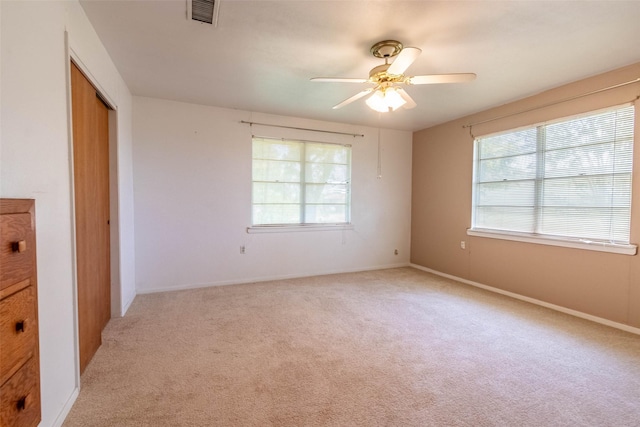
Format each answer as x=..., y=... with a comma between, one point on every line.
x=18, y=331
x=17, y=245
x=20, y=397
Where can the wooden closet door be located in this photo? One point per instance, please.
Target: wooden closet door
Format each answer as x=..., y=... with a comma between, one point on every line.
x=91, y=188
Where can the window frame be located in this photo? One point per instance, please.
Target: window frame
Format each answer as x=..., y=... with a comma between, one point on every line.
x=545, y=239
x=303, y=226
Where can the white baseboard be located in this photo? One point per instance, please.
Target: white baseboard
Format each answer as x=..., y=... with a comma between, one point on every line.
x=559, y=308
x=66, y=408
x=127, y=304
x=265, y=279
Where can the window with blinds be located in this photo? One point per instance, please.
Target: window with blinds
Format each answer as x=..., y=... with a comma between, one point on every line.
x=568, y=179
x=300, y=182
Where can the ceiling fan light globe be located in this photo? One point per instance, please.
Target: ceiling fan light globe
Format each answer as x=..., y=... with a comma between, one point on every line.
x=385, y=100
x=393, y=99
x=377, y=102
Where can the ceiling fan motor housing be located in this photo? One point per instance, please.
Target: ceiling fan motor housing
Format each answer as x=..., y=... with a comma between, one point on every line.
x=379, y=75
x=378, y=70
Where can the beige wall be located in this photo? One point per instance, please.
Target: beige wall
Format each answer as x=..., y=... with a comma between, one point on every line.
x=601, y=284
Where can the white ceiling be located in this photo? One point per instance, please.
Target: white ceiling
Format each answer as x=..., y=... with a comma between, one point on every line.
x=262, y=54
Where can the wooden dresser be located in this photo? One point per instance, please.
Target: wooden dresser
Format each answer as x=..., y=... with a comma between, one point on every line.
x=19, y=356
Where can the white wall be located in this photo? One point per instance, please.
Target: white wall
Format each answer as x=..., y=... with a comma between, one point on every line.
x=87, y=49
x=35, y=163
x=192, y=184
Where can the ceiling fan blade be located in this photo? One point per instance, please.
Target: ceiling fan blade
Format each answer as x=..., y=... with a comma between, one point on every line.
x=410, y=103
x=353, y=98
x=403, y=60
x=338, y=80
x=440, y=78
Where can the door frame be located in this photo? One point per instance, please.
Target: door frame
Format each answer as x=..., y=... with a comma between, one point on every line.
x=114, y=232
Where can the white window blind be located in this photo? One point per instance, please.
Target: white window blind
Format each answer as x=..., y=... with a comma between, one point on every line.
x=300, y=182
x=568, y=179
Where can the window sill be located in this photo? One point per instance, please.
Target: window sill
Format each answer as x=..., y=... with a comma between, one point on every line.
x=615, y=248
x=297, y=227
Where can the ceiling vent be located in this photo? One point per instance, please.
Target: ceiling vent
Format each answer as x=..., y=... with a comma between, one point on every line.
x=201, y=10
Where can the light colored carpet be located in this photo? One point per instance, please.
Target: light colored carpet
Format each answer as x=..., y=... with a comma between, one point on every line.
x=396, y=347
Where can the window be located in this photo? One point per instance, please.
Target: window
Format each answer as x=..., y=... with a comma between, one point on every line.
x=300, y=183
x=569, y=179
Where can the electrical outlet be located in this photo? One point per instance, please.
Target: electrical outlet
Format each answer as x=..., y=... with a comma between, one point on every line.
x=242, y=250
x=463, y=244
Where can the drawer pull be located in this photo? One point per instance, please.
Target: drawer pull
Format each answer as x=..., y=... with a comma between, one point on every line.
x=20, y=326
x=21, y=404
x=19, y=246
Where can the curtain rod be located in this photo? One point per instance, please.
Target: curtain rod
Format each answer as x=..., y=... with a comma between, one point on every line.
x=312, y=130
x=551, y=104
x=299, y=140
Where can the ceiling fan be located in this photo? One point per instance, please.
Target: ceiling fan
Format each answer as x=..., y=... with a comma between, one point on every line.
x=387, y=94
